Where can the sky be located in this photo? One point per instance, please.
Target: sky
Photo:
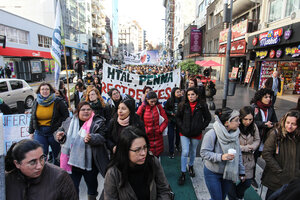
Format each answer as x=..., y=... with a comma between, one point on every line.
x=149, y=14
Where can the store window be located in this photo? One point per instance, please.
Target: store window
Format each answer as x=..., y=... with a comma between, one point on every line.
x=289, y=72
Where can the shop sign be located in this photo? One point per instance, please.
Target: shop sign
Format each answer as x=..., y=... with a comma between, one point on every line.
x=238, y=47
x=270, y=38
x=254, y=41
x=261, y=54
x=294, y=51
x=222, y=49
x=238, y=30
x=287, y=34
x=278, y=53
x=272, y=53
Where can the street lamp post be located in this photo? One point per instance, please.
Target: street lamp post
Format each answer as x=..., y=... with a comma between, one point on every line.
x=227, y=19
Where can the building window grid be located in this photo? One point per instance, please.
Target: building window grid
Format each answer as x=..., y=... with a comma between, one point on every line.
x=14, y=35
x=44, y=41
x=279, y=9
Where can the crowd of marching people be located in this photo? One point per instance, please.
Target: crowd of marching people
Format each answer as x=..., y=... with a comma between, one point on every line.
x=123, y=140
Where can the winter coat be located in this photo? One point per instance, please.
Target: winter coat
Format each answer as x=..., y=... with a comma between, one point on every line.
x=159, y=187
x=114, y=129
x=77, y=99
x=53, y=184
x=60, y=114
x=99, y=110
x=150, y=117
x=247, y=141
x=263, y=129
x=98, y=132
x=282, y=158
x=170, y=108
x=269, y=83
x=192, y=124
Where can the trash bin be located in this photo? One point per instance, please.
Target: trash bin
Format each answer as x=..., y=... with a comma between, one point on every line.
x=231, y=87
x=21, y=107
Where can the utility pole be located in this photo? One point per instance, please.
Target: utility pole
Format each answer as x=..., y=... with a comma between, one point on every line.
x=227, y=19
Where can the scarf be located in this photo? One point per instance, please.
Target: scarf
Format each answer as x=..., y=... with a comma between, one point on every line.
x=228, y=140
x=193, y=106
x=79, y=153
x=263, y=106
x=124, y=122
x=45, y=101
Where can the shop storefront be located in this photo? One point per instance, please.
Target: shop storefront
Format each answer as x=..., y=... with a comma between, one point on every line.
x=277, y=50
x=238, y=48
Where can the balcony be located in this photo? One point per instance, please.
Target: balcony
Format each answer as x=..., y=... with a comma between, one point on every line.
x=241, y=6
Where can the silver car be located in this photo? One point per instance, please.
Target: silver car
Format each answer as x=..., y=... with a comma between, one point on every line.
x=14, y=90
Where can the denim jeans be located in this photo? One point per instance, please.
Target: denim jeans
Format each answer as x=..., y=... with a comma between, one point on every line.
x=216, y=185
x=238, y=190
x=46, y=138
x=172, y=129
x=90, y=178
x=186, y=143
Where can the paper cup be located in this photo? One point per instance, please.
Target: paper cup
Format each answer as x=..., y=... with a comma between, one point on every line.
x=233, y=152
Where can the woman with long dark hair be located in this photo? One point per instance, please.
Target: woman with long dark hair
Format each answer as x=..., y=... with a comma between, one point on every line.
x=221, y=152
x=171, y=108
x=264, y=117
x=192, y=118
x=249, y=142
x=47, y=114
x=133, y=172
x=282, y=153
x=124, y=117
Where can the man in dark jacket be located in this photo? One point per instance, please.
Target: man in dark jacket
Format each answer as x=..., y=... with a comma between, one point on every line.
x=78, y=67
x=78, y=94
x=273, y=83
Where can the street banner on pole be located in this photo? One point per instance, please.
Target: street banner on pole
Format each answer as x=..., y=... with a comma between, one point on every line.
x=133, y=84
x=142, y=58
x=57, y=41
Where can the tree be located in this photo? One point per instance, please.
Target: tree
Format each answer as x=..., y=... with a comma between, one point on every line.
x=190, y=66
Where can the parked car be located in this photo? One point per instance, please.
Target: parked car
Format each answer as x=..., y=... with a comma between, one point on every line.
x=63, y=75
x=13, y=90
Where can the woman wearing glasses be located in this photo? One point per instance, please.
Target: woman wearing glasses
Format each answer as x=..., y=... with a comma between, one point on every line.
x=48, y=112
x=134, y=173
x=149, y=111
x=28, y=176
x=83, y=152
x=222, y=154
x=125, y=117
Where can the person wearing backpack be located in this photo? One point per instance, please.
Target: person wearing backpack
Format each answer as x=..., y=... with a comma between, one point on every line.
x=150, y=112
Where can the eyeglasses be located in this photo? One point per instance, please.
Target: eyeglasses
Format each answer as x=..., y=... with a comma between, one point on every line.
x=140, y=149
x=85, y=110
x=45, y=89
x=33, y=163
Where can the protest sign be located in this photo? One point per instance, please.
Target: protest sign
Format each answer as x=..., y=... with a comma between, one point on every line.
x=133, y=84
x=142, y=58
x=15, y=128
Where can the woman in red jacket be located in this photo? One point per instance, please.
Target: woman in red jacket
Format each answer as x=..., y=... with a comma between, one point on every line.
x=149, y=112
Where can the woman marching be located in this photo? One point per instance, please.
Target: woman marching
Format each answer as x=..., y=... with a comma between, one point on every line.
x=134, y=173
x=221, y=152
x=48, y=112
x=97, y=103
x=125, y=117
x=83, y=150
x=282, y=153
x=171, y=108
x=192, y=118
x=249, y=142
x=150, y=112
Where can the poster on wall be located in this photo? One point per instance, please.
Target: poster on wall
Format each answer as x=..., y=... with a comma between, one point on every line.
x=234, y=72
x=47, y=66
x=52, y=65
x=249, y=74
x=133, y=84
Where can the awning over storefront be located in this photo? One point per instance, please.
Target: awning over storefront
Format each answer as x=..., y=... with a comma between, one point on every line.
x=16, y=52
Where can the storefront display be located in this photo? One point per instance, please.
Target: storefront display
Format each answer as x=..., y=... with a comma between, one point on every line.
x=267, y=69
x=289, y=72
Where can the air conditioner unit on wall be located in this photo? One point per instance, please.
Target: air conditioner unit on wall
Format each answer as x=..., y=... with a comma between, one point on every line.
x=295, y=14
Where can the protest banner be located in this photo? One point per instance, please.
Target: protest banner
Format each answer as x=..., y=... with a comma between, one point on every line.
x=142, y=58
x=15, y=128
x=133, y=84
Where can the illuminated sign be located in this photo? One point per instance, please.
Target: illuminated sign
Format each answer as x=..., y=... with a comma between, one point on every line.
x=261, y=54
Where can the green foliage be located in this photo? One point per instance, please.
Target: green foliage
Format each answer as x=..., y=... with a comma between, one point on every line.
x=190, y=66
